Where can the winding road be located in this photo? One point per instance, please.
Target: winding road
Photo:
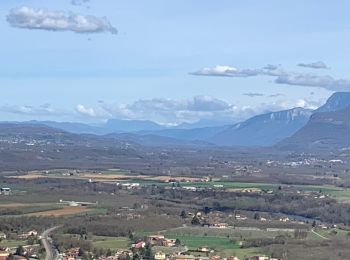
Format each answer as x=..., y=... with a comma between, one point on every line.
x=50, y=252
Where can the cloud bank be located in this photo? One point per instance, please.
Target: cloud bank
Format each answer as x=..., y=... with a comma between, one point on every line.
x=174, y=111
x=281, y=76
x=42, y=19
x=226, y=71
x=314, y=65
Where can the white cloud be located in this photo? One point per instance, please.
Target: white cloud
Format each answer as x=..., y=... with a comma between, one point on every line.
x=87, y=111
x=310, y=80
x=43, y=19
x=314, y=65
x=226, y=71
x=281, y=76
x=173, y=111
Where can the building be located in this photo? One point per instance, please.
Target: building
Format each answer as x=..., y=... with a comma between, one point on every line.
x=159, y=256
x=139, y=245
x=5, y=191
x=220, y=225
x=4, y=254
x=203, y=249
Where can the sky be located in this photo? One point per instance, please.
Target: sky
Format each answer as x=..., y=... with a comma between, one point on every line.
x=169, y=61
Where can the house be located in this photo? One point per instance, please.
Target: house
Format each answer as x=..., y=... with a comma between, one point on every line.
x=203, y=249
x=5, y=191
x=220, y=225
x=241, y=217
x=168, y=242
x=159, y=256
x=28, y=234
x=124, y=254
x=2, y=235
x=72, y=253
x=139, y=245
x=4, y=254
x=263, y=257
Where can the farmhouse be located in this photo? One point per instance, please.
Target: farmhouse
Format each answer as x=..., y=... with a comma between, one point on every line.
x=139, y=245
x=5, y=191
x=220, y=225
x=203, y=249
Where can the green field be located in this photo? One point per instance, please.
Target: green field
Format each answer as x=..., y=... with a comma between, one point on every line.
x=111, y=242
x=242, y=253
x=12, y=243
x=193, y=242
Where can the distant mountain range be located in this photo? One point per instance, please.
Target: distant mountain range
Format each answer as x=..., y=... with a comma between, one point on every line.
x=338, y=101
x=264, y=130
x=327, y=129
x=328, y=126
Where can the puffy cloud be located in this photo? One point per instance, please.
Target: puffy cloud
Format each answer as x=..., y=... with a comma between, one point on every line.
x=251, y=94
x=87, y=111
x=226, y=71
x=310, y=80
x=42, y=19
x=174, y=111
x=314, y=65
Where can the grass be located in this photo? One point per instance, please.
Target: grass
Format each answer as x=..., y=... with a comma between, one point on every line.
x=193, y=242
x=12, y=243
x=110, y=242
x=242, y=253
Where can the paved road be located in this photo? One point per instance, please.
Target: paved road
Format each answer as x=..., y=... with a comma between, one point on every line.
x=50, y=252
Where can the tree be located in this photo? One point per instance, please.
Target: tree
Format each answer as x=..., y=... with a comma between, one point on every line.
x=256, y=216
x=177, y=242
x=183, y=214
x=20, y=251
x=81, y=252
x=148, y=251
x=195, y=221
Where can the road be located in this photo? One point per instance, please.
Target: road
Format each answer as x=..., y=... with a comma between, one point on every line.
x=319, y=235
x=50, y=252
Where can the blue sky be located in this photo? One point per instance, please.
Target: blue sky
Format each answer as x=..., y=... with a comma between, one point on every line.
x=153, y=67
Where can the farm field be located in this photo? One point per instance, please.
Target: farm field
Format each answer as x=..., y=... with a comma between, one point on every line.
x=341, y=194
x=218, y=232
x=111, y=242
x=12, y=243
x=67, y=210
x=217, y=243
